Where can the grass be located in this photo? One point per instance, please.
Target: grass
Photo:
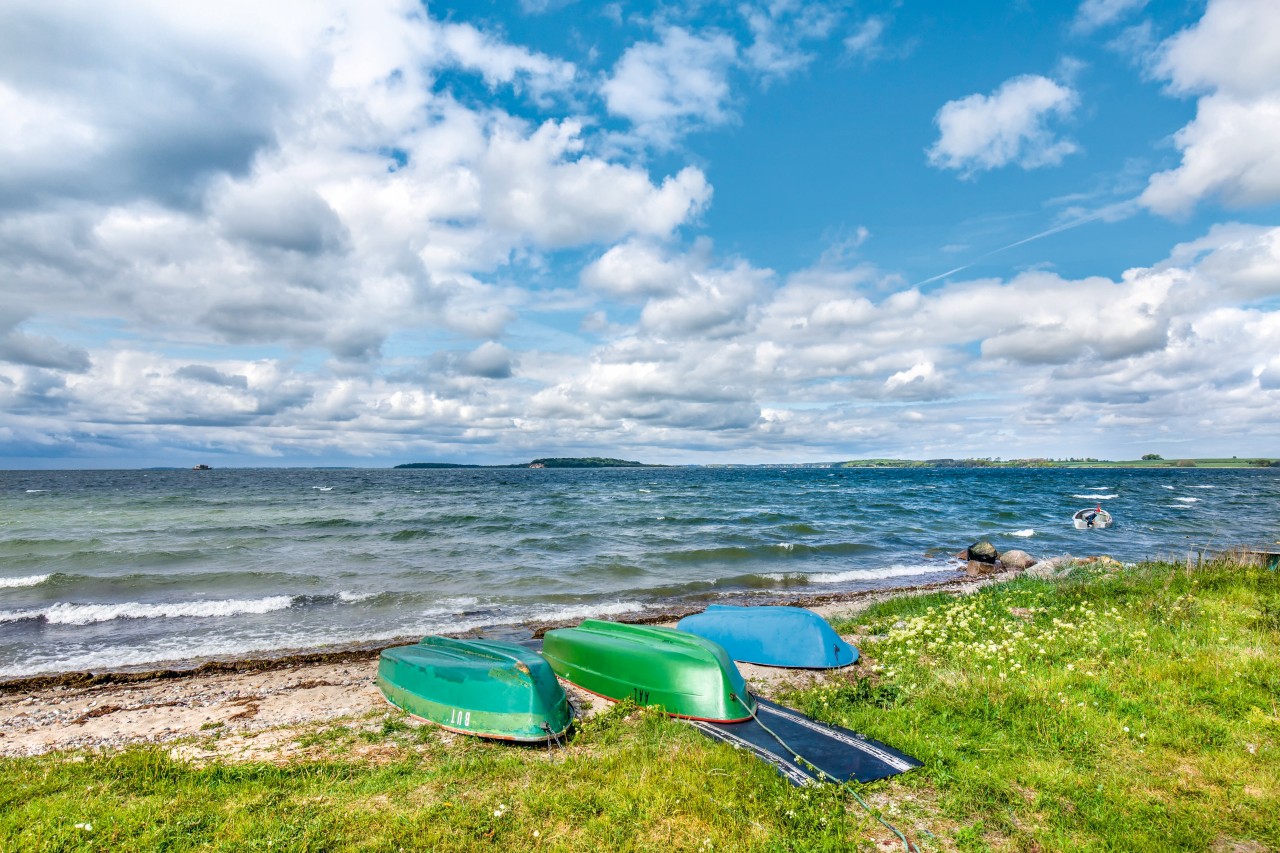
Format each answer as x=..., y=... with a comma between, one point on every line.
x=1126, y=711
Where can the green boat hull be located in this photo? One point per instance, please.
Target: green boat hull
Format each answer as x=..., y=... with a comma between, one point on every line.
x=478, y=687
x=683, y=674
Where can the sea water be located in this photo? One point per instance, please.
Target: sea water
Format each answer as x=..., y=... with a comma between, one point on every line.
x=113, y=569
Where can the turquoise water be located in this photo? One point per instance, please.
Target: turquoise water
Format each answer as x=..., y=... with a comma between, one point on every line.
x=109, y=569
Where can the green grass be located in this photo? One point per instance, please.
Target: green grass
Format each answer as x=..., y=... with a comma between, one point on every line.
x=1127, y=711
x=1134, y=711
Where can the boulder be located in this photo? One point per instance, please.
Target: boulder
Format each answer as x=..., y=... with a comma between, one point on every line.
x=1054, y=567
x=1017, y=559
x=982, y=551
x=977, y=568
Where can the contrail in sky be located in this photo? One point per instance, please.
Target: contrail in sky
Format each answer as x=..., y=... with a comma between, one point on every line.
x=1120, y=210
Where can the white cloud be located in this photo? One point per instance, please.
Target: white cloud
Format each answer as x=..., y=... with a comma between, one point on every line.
x=666, y=87
x=1095, y=14
x=779, y=30
x=1010, y=125
x=725, y=358
x=502, y=63
x=867, y=40
x=352, y=201
x=1226, y=152
x=360, y=248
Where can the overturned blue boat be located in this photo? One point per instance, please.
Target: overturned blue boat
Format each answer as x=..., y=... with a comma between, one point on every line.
x=772, y=636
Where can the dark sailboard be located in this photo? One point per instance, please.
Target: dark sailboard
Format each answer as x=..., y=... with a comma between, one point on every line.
x=828, y=753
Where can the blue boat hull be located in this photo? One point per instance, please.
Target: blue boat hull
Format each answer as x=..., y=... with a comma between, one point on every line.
x=772, y=636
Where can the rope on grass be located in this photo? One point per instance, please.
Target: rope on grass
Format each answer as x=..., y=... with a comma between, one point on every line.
x=845, y=786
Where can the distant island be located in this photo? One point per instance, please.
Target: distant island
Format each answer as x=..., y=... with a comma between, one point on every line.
x=1150, y=460
x=550, y=462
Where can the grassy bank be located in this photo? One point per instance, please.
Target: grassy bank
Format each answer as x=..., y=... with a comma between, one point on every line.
x=1127, y=711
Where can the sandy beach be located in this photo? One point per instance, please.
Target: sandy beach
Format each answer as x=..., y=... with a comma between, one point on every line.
x=259, y=709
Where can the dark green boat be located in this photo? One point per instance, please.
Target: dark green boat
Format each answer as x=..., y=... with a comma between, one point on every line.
x=478, y=687
x=685, y=675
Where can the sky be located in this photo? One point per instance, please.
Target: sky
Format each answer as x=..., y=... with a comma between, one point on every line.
x=366, y=233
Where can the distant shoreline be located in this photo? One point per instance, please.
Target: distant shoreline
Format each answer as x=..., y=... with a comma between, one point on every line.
x=857, y=464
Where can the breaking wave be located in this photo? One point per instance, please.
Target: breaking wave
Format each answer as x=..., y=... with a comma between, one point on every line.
x=1095, y=497
x=897, y=571
x=64, y=613
x=29, y=580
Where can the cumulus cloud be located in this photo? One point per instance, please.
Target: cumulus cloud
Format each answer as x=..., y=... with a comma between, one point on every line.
x=1011, y=125
x=779, y=31
x=365, y=246
x=669, y=86
x=1095, y=14
x=1230, y=57
x=867, y=40
x=817, y=362
x=41, y=351
x=304, y=184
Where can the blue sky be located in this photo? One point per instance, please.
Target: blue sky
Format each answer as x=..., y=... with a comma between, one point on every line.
x=755, y=232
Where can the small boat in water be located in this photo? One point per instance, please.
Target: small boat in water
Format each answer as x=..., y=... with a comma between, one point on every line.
x=478, y=687
x=1087, y=519
x=773, y=636
x=683, y=674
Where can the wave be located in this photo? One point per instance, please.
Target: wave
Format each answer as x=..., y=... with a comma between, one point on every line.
x=1187, y=500
x=565, y=613
x=29, y=580
x=1098, y=488
x=758, y=552
x=800, y=529
x=351, y=597
x=896, y=571
x=36, y=491
x=451, y=606
x=64, y=613
x=1096, y=497
x=1024, y=533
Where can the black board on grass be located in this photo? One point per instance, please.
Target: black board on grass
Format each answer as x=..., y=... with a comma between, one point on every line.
x=828, y=753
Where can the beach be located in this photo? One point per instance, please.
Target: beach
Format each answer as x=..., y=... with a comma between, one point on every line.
x=257, y=708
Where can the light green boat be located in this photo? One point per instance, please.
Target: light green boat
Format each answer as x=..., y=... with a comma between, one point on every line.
x=683, y=674
x=478, y=687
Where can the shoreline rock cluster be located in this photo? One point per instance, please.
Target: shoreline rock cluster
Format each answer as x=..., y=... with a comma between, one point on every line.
x=982, y=558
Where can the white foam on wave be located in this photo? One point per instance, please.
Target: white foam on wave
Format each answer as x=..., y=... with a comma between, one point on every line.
x=1187, y=500
x=1170, y=488
x=568, y=612
x=29, y=580
x=323, y=488
x=451, y=606
x=1024, y=533
x=343, y=595
x=896, y=571
x=1098, y=488
x=178, y=649
x=505, y=616
x=64, y=613
x=36, y=491
x=1204, y=487
x=1095, y=497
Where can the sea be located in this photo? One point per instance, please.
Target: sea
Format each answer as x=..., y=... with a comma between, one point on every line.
x=111, y=570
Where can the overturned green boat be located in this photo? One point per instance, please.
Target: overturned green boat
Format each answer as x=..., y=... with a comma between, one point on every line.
x=478, y=687
x=683, y=674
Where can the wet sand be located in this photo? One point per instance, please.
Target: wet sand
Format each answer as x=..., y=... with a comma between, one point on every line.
x=257, y=709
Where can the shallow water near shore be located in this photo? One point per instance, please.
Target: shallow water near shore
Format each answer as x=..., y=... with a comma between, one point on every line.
x=110, y=569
